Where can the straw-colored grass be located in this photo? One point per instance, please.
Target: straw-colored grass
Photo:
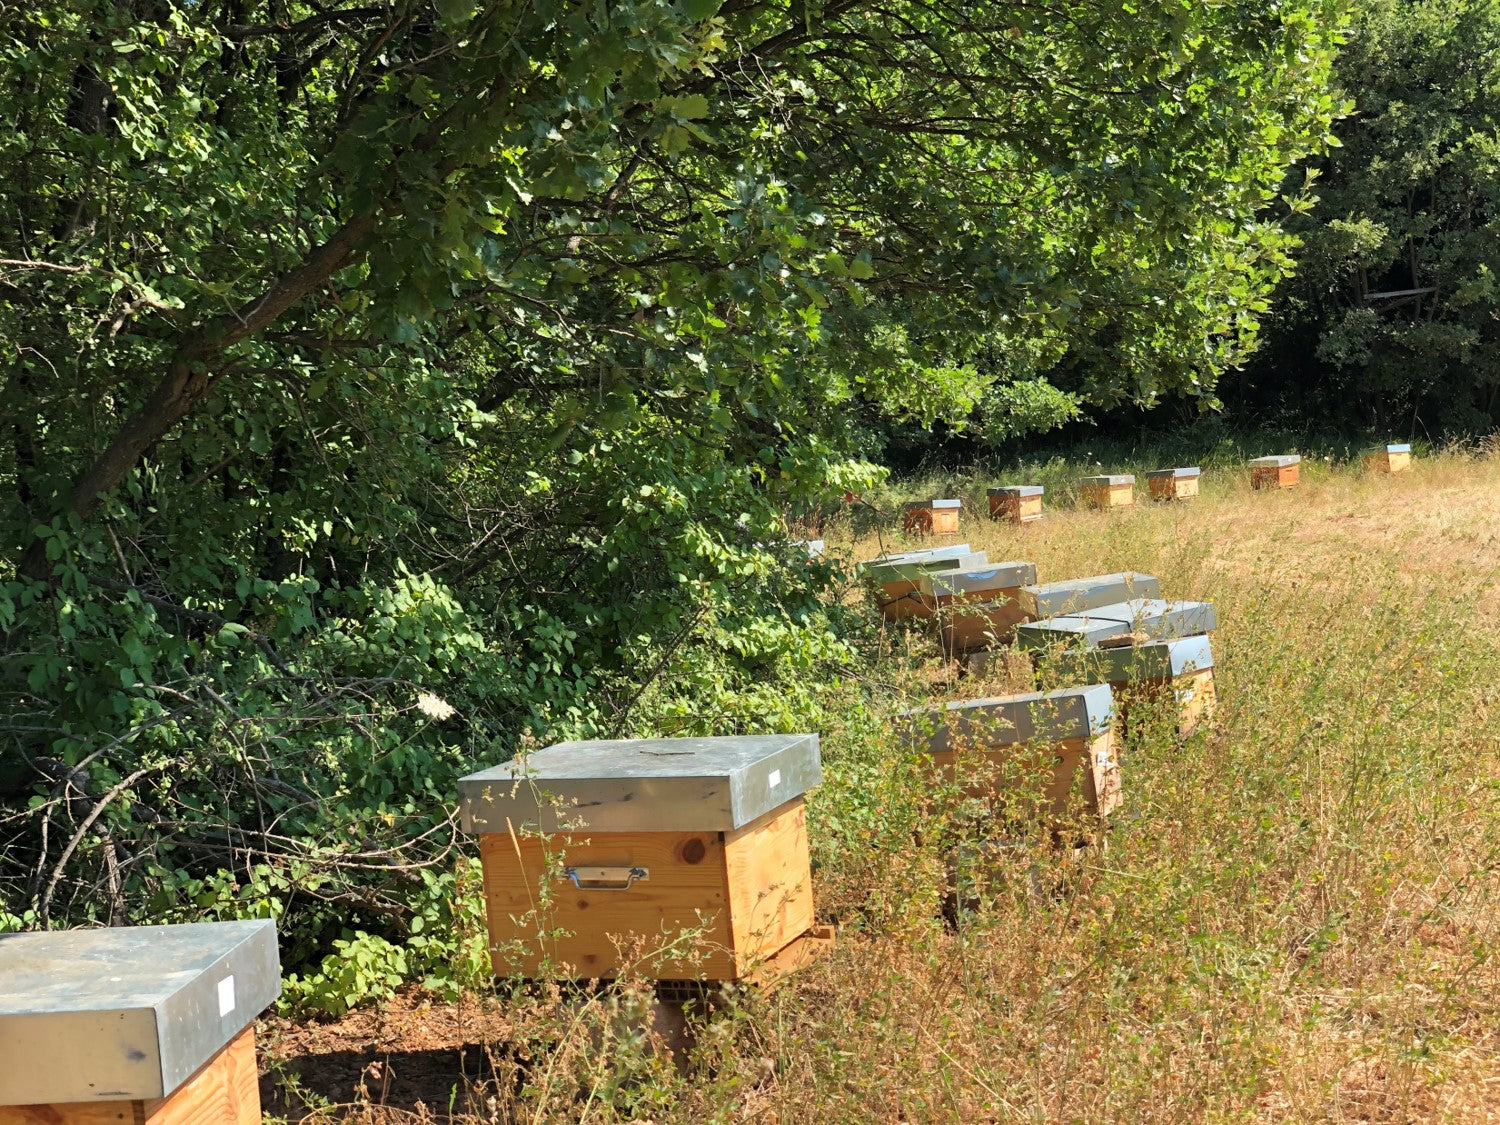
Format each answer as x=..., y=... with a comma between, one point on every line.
x=1295, y=919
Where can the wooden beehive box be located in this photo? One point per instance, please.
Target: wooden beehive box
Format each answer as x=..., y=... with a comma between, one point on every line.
x=932, y=517
x=1025, y=754
x=1018, y=503
x=1275, y=472
x=1389, y=459
x=1108, y=491
x=1074, y=595
x=1150, y=617
x=1174, y=484
x=675, y=858
x=895, y=580
x=149, y=1025
x=1180, y=668
x=975, y=608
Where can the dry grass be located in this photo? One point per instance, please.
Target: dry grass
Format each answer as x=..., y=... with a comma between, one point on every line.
x=1295, y=919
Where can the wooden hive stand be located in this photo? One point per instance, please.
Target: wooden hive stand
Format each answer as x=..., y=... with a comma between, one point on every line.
x=148, y=1025
x=1388, y=459
x=894, y=582
x=1180, y=669
x=674, y=859
x=1031, y=753
x=1016, y=503
x=932, y=517
x=1282, y=471
x=979, y=607
x=1108, y=491
x=1174, y=484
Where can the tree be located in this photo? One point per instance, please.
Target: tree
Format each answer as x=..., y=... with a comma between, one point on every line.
x=1391, y=321
x=363, y=353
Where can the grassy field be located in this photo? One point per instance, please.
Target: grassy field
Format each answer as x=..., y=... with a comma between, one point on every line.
x=1295, y=918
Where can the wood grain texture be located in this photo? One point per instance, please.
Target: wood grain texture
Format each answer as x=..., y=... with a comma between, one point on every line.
x=770, y=884
x=1037, y=776
x=1108, y=496
x=1195, y=695
x=1016, y=509
x=714, y=903
x=224, y=1091
x=1383, y=462
x=972, y=621
x=1271, y=476
x=1173, y=488
x=900, y=600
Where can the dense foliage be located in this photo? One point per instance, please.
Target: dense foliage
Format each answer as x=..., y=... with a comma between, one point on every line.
x=387, y=384
x=1390, y=323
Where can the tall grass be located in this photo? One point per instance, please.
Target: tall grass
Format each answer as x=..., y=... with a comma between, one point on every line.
x=1295, y=918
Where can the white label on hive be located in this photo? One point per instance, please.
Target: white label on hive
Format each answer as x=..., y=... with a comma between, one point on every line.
x=226, y=996
x=1185, y=695
x=775, y=779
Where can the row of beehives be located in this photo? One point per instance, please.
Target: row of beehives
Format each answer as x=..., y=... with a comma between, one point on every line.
x=1112, y=635
x=673, y=859
x=1022, y=503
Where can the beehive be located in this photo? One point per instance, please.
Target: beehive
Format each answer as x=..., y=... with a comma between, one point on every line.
x=815, y=548
x=1018, y=503
x=1109, y=491
x=932, y=517
x=149, y=1025
x=976, y=607
x=1025, y=753
x=1275, y=472
x=1074, y=595
x=1181, y=668
x=1174, y=484
x=680, y=858
x=895, y=580
x=1152, y=617
x=1388, y=459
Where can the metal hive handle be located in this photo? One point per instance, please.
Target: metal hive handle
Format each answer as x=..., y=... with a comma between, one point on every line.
x=606, y=878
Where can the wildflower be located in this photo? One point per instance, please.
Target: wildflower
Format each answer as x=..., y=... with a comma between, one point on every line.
x=434, y=706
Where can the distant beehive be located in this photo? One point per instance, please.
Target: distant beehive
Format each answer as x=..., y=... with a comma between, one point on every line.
x=1174, y=484
x=599, y=852
x=147, y=1024
x=1108, y=491
x=1388, y=459
x=1275, y=472
x=1151, y=617
x=1025, y=753
x=1074, y=595
x=894, y=580
x=1181, y=668
x=1018, y=503
x=976, y=607
x=932, y=517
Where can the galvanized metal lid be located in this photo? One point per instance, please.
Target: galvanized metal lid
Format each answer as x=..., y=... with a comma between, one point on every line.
x=1403, y=448
x=898, y=569
x=1178, y=474
x=994, y=576
x=1161, y=619
x=1155, y=618
x=1067, y=631
x=915, y=504
x=126, y=1014
x=1074, y=595
x=1109, y=480
x=1016, y=490
x=643, y=785
x=1278, y=462
x=1154, y=660
x=1079, y=712
x=815, y=547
